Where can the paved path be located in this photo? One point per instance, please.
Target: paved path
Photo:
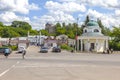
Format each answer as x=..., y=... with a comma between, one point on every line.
x=60, y=66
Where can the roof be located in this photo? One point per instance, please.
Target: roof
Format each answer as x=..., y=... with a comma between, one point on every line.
x=92, y=34
x=92, y=23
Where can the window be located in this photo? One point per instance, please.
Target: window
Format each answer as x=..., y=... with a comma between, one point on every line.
x=96, y=30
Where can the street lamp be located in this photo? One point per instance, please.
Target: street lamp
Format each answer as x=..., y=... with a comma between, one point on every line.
x=76, y=36
x=40, y=38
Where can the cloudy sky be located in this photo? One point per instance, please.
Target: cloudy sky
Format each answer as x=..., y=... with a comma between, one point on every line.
x=39, y=12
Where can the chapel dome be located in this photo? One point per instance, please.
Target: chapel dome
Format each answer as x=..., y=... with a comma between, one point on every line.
x=92, y=23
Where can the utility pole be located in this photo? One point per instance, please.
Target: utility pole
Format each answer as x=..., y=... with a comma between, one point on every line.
x=76, y=35
x=40, y=38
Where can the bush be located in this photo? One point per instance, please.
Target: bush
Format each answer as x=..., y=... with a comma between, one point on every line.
x=66, y=47
x=13, y=47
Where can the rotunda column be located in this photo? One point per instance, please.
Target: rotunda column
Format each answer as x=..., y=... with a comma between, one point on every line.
x=81, y=45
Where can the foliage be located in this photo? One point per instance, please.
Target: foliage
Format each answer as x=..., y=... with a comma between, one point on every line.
x=1, y=24
x=115, y=42
x=17, y=29
x=85, y=22
x=44, y=32
x=70, y=30
x=114, y=45
x=87, y=19
x=116, y=34
x=34, y=32
x=21, y=24
x=8, y=32
x=13, y=47
x=66, y=47
x=101, y=25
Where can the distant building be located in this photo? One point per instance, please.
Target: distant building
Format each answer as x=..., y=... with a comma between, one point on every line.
x=50, y=28
x=4, y=41
x=50, y=41
x=62, y=39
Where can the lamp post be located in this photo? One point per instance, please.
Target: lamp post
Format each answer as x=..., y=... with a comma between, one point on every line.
x=40, y=38
x=76, y=36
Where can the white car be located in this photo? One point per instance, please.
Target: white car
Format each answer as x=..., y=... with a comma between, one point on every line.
x=21, y=49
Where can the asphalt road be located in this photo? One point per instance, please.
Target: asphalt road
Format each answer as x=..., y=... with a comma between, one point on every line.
x=59, y=66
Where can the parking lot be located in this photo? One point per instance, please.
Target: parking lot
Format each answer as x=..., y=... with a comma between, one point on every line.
x=59, y=66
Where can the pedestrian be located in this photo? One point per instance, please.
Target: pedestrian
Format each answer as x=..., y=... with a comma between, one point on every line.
x=90, y=49
x=6, y=52
x=111, y=51
x=108, y=51
x=23, y=53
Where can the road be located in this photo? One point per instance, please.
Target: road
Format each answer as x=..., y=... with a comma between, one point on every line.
x=60, y=66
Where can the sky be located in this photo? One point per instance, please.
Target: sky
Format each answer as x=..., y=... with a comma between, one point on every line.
x=39, y=12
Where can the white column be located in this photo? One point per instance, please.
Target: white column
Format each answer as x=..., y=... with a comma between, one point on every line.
x=96, y=45
x=107, y=44
x=81, y=45
x=78, y=45
x=88, y=43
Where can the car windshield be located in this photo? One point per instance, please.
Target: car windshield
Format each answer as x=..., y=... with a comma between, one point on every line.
x=44, y=48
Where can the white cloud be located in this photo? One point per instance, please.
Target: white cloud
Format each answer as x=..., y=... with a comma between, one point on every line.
x=61, y=10
x=20, y=6
x=61, y=16
x=10, y=8
x=109, y=4
x=9, y=17
x=65, y=7
x=108, y=20
x=53, y=17
x=94, y=13
x=117, y=12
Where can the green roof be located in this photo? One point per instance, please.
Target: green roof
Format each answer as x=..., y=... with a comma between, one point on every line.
x=92, y=23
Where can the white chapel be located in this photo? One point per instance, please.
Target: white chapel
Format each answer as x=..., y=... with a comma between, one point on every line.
x=92, y=38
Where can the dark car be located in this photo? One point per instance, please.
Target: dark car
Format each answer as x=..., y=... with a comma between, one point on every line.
x=3, y=50
x=43, y=50
x=56, y=49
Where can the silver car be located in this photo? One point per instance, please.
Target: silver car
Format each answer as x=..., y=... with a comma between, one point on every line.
x=43, y=50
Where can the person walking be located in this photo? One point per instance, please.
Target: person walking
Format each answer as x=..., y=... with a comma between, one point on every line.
x=23, y=53
x=6, y=52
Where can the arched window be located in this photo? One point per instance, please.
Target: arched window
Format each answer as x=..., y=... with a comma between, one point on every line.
x=85, y=30
x=96, y=30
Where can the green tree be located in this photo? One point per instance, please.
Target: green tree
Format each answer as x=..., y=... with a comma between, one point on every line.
x=85, y=22
x=87, y=19
x=44, y=32
x=34, y=32
x=101, y=26
x=70, y=34
x=21, y=24
x=115, y=42
x=21, y=31
x=1, y=24
x=7, y=32
x=116, y=34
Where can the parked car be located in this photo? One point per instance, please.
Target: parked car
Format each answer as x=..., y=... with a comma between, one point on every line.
x=56, y=49
x=43, y=50
x=2, y=50
x=21, y=49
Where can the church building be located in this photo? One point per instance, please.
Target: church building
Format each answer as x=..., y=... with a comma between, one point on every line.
x=92, y=39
